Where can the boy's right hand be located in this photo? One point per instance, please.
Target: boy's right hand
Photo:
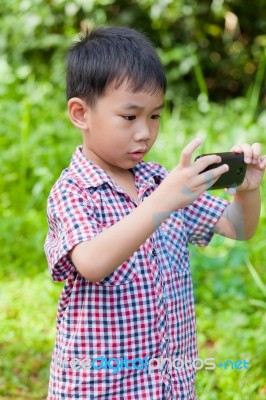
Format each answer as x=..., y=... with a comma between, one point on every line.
x=185, y=183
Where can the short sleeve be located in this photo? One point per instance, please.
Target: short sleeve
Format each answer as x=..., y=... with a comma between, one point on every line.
x=201, y=216
x=71, y=221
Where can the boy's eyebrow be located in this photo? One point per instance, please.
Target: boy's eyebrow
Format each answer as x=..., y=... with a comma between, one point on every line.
x=132, y=106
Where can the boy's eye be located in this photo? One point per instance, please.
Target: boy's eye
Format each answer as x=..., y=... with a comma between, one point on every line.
x=132, y=117
x=129, y=117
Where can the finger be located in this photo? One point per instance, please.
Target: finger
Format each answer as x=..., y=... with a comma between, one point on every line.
x=246, y=149
x=237, y=149
x=185, y=157
x=247, y=153
x=206, y=161
x=208, y=178
x=262, y=162
x=256, y=150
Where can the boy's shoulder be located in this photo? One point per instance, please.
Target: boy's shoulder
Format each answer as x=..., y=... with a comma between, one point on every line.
x=72, y=178
x=81, y=174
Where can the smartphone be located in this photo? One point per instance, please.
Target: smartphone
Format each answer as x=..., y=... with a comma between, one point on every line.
x=236, y=173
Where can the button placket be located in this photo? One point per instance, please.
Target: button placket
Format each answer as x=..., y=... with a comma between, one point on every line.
x=162, y=295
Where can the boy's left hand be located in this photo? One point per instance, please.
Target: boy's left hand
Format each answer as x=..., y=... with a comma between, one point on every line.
x=256, y=165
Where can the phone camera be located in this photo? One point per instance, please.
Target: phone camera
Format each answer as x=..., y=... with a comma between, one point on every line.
x=239, y=171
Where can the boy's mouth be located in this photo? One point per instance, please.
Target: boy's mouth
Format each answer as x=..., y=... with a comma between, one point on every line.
x=138, y=153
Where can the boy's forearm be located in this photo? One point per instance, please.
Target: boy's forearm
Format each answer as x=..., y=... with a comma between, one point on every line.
x=250, y=205
x=242, y=215
x=97, y=258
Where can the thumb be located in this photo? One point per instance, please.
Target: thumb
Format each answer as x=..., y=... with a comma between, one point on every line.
x=231, y=191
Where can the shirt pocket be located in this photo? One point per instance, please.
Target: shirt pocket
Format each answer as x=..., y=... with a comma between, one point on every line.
x=175, y=241
x=122, y=275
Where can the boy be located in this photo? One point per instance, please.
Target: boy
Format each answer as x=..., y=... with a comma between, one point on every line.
x=119, y=229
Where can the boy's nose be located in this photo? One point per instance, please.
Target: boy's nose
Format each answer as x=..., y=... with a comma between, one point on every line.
x=143, y=133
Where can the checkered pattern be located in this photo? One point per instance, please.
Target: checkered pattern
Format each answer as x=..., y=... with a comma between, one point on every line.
x=144, y=308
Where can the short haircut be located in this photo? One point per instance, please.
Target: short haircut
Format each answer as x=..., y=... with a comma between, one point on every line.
x=110, y=56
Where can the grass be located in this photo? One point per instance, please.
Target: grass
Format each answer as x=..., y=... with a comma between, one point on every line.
x=36, y=142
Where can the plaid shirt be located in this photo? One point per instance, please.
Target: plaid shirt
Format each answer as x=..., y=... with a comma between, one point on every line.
x=142, y=310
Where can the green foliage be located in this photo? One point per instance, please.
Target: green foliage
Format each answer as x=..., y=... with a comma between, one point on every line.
x=27, y=315
x=207, y=47
x=202, y=59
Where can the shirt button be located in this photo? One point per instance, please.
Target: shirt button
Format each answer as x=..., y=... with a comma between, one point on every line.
x=154, y=253
x=168, y=376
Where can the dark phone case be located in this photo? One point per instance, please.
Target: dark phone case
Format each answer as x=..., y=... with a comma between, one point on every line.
x=237, y=170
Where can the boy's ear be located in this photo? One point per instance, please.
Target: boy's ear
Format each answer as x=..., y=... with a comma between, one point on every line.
x=78, y=112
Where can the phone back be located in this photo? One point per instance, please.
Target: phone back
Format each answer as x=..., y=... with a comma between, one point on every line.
x=236, y=173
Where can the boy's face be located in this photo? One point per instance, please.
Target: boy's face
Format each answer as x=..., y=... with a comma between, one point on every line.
x=121, y=128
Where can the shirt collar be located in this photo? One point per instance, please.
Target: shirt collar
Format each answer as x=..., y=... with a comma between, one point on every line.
x=86, y=171
x=91, y=175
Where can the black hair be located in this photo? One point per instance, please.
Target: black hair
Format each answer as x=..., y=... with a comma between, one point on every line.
x=112, y=55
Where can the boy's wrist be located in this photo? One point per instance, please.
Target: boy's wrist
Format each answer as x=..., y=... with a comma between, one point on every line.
x=247, y=192
x=158, y=207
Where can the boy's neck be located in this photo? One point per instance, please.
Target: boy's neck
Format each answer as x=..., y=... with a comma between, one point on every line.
x=113, y=171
